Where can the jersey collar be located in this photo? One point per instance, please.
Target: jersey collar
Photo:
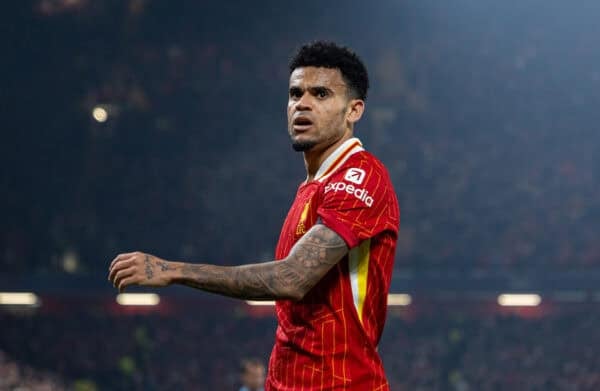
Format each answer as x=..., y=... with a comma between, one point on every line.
x=337, y=158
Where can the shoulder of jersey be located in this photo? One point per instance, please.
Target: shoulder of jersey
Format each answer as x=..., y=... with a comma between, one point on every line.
x=362, y=162
x=362, y=176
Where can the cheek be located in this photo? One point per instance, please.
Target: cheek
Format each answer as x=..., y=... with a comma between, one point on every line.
x=335, y=115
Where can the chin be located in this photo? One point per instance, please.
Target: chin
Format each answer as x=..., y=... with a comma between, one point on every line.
x=303, y=146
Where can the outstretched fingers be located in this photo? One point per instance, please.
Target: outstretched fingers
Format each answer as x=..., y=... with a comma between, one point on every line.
x=119, y=265
x=126, y=282
x=121, y=274
x=120, y=257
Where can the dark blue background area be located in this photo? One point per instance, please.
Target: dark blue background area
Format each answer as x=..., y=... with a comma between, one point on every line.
x=485, y=113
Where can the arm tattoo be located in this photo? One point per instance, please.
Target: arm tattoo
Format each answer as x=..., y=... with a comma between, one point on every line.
x=164, y=266
x=310, y=259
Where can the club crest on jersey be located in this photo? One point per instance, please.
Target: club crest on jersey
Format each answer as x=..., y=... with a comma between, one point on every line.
x=301, y=227
x=355, y=175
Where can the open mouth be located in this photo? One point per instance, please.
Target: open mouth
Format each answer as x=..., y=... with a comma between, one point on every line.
x=302, y=124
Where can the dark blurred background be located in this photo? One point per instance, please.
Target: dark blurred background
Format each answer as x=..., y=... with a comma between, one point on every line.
x=160, y=126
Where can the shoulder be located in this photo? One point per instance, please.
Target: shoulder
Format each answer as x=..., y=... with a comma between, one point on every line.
x=361, y=176
x=365, y=159
x=358, y=200
x=362, y=168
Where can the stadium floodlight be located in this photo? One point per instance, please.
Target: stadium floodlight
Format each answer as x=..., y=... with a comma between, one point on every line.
x=260, y=303
x=519, y=300
x=19, y=298
x=100, y=114
x=138, y=299
x=401, y=299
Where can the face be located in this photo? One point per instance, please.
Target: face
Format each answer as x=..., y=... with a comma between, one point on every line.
x=320, y=111
x=254, y=376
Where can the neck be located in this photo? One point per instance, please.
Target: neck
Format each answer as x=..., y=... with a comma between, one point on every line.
x=314, y=158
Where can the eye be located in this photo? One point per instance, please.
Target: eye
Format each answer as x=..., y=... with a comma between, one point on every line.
x=295, y=93
x=321, y=92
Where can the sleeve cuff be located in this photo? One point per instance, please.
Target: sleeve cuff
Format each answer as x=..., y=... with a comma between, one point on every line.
x=339, y=228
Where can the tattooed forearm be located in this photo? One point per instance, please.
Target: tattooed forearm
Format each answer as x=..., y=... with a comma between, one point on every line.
x=310, y=259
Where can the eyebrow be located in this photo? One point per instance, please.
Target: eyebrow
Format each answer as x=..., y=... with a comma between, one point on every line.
x=311, y=88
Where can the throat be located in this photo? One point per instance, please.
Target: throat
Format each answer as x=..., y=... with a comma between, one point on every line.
x=316, y=156
x=312, y=162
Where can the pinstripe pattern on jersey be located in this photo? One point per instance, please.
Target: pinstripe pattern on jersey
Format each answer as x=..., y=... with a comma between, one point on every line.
x=328, y=340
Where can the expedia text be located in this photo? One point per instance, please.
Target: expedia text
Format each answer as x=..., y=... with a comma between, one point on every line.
x=361, y=194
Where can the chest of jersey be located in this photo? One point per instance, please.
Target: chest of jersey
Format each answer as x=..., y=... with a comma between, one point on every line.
x=301, y=217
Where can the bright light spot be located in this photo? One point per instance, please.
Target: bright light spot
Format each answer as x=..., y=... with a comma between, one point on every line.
x=18, y=298
x=519, y=300
x=100, y=114
x=262, y=303
x=138, y=299
x=70, y=262
x=399, y=299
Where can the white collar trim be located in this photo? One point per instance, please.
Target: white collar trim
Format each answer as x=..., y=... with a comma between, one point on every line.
x=338, y=157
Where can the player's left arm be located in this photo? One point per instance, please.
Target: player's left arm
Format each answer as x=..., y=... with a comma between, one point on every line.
x=291, y=278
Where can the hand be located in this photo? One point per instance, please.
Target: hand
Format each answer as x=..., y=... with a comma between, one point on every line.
x=138, y=268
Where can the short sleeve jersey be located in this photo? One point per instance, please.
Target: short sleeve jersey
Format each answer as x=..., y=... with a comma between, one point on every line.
x=328, y=340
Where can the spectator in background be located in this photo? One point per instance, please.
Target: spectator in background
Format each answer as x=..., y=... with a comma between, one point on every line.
x=252, y=372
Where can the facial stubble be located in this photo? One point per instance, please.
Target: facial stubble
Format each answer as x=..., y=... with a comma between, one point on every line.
x=303, y=146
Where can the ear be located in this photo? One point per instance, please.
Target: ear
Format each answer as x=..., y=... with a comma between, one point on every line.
x=356, y=108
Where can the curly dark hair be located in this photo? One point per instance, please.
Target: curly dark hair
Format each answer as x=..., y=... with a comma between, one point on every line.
x=330, y=55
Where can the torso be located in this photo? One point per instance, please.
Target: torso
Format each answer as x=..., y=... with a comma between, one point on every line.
x=329, y=338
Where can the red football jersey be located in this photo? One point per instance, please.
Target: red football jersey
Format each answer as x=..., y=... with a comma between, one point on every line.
x=328, y=340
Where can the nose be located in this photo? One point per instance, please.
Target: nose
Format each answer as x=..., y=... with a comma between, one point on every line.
x=304, y=103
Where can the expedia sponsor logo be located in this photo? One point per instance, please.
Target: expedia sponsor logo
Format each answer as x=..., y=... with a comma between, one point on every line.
x=355, y=175
x=361, y=194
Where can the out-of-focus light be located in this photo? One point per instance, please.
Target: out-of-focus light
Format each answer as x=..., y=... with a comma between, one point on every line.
x=70, y=261
x=138, y=299
x=100, y=114
x=519, y=300
x=19, y=298
x=402, y=299
x=260, y=303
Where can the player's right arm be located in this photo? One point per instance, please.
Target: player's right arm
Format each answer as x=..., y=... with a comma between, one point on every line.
x=291, y=278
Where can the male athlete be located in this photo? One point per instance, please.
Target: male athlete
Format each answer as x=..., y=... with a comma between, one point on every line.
x=335, y=254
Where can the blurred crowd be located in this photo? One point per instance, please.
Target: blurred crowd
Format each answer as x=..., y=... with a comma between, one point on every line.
x=451, y=351
x=22, y=377
x=96, y=351
x=159, y=127
x=466, y=352
x=488, y=133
